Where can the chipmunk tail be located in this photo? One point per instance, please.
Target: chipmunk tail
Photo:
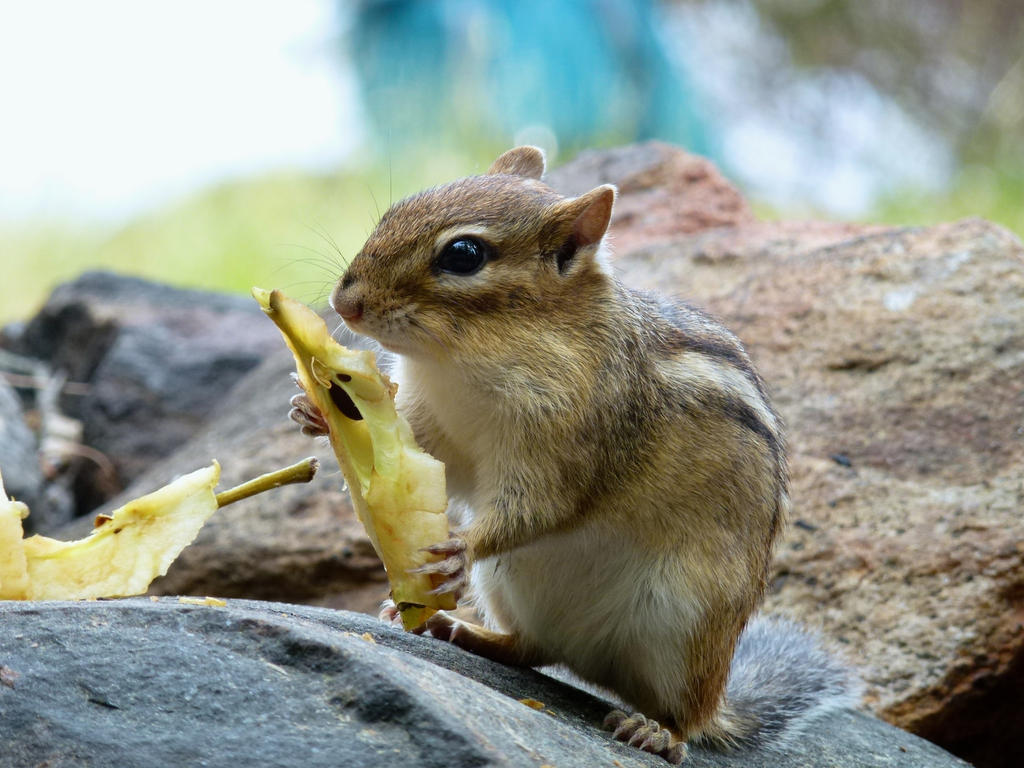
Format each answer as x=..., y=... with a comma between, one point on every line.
x=782, y=678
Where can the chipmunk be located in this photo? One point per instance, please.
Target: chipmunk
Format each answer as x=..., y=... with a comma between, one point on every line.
x=622, y=467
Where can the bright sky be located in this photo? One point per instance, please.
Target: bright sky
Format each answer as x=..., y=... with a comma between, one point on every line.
x=109, y=107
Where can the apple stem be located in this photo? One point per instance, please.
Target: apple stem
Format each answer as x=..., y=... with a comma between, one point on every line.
x=302, y=472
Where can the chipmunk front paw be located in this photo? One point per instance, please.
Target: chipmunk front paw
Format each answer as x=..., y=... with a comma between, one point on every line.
x=453, y=569
x=305, y=413
x=646, y=734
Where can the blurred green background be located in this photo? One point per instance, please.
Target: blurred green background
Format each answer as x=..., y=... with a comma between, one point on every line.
x=256, y=143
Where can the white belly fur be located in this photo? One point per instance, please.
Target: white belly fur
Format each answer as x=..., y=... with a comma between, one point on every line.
x=597, y=604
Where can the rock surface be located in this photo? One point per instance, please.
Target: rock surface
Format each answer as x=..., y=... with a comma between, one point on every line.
x=157, y=360
x=137, y=683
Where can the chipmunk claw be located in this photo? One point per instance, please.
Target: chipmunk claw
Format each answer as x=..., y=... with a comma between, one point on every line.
x=453, y=567
x=645, y=734
x=452, y=546
x=305, y=413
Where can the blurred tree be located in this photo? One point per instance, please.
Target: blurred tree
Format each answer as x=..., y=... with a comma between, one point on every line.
x=576, y=72
x=957, y=64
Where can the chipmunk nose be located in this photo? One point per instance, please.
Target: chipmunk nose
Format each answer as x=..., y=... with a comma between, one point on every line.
x=346, y=302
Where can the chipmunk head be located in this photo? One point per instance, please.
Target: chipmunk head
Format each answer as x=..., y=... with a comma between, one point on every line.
x=458, y=266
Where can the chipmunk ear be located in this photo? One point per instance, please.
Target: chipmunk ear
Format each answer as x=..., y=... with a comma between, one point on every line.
x=594, y=215
x=521, y=161
x=582, y=223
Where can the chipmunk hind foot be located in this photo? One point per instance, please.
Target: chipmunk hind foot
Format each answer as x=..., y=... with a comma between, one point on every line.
x=646, y=734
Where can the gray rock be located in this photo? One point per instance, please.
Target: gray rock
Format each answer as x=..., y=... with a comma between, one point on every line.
x=140, y=683
x=19, y=461
x=158, y=360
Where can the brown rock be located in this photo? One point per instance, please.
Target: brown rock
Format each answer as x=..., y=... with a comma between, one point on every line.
x=663, y=192
x=897, y=360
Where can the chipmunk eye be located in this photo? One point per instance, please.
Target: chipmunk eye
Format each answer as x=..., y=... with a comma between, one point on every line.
x=464, y=256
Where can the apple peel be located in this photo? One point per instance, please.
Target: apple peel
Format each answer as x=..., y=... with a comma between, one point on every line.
x=397, y=489
x=123, y=554
x=128, y=548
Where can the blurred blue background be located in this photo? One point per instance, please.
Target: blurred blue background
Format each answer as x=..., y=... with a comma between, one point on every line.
x=564, y=73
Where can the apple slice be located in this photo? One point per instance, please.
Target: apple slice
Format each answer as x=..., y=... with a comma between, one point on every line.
x=126, y=551
x=397, y=490
x=128, y=548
